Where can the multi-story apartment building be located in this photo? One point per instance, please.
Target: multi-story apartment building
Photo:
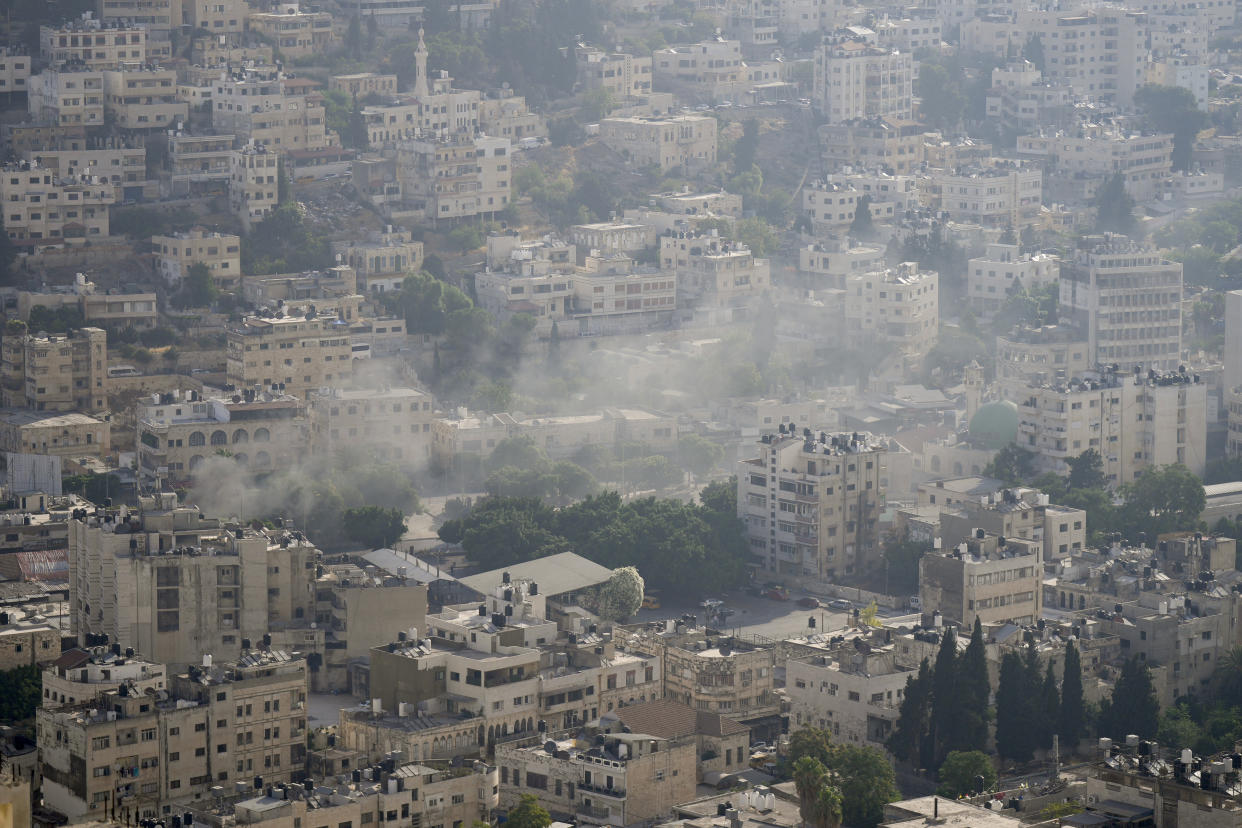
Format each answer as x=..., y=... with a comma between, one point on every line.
x=1017, y=513
x=1002, y=270
x=721, y=674
x=609, y=237
x=125, y=167
x=116, y=308
x=27, y=639
x=1004, y=194
x=298, y=354
x=14, y=71
x=1126, y=299
x=686, y=141
x=362, y=84
x=855, y=79
x=382, y=260
x=83, y=675
x=263, y=432
x=1041, y=355
x=899, y=306
x=853, y=692
x=253, y=183
x=174, y=584
x=625, y=76
x=1133, y=421
x=142, y=98
x=1021, y=101
x=1145, y=160
x=220, y=253
x=617, y=779
x=198, y=164
x=395, y=421
x=55, y=372
x=87, y=43
x=827, y=265
x=713, y=271
x=73, y=96
x=832, y=202
x=398, y=13
x=147, y=752
x=158, y=17
x=454, y=177
x=709, y=70
x=296, y=33
x=71, y=435
x=262, y=106
x=996, y=580
x=503, y=114
x=1099, y=54
x=811, y=504
x=42, y=207
x=909, y=35
x=220, y=17
x=611, y=294
x=687, y=203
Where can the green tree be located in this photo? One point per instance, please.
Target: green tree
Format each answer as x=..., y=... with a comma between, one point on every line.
x=811, y=742
x=621, y=595
x=373, y=527
x=20, y=693
x=960, y=772
x=1012, y=464
x=1073, y=710
x=426, y=301
x=946, y=707
x=198, y=290
x=867, y=783
x=353, y=38
x=911, y=739
x=1014, y=701
x=810, y=777
x=758, y=235
x=699, y=455
x=521, y=452
x=1049, y=705
x=901, y=563
x=826, y=810
x=1114, y=207
x=528, y=814
x=1172, y=109
x=1087, y=471
x=466, y=237
x=1162, y=499
x=720, y=496
x=1033, y=50
x=862, y=227
x=746, y=148
x=974, y=694
x=1133, y=707
x=942, y=99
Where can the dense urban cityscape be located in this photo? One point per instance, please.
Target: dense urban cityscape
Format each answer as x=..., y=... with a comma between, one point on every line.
x=627, y=413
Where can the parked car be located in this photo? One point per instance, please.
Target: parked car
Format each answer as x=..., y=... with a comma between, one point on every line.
x=840, y=604
x=808, y=602
x=777, y=593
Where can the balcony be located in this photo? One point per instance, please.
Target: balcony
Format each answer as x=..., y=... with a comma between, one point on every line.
x=616, y=793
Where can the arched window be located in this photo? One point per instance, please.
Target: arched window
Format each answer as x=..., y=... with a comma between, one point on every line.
x=262, y=435
x=219, y=438
x=196, y=461
x=240, y=436
x=262, y=460
x=198, y=439
x=241, y=459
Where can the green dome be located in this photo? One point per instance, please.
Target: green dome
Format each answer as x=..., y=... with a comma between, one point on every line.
x=995, y=425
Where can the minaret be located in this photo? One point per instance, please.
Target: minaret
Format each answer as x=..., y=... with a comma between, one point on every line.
x=420, y=66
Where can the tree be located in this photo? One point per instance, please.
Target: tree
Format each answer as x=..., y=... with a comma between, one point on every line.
x=1133, y=707
x=810, y=777
x=867, y=783
x=373, y=526
x=974, y=692
x=353, y=38
x=945, y=703
x=521, y=452
x=1073, y=710
x=1014, y=739
x=942, y=99
x=1172, y=109
x=758, y=235
x=1114, y=207
x=810, y=742
x=621, y=595
x=698, y=455
x=1049, y=708
x=911, y=734
x=528, y=814
x=1033, y=50
x=199, y=289
x=466, y=237
x=826, y=810
x=1087, y=471
x=901, y=563
x=1163, y=499
x=20, y=693
x=1012, y=464
x=720, y=496
x=862, y=227
x=747, y=147
x=426, y=301
x=960, y=772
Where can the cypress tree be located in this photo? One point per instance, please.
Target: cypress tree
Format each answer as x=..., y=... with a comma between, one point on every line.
x=1134, y=706
x=946, y=707
x=910, y=734
x=1049, y=709
x=1072, y=708
x=1013, y=694
x=973, y=693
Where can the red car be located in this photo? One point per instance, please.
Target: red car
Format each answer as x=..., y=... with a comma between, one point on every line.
x=777, y=593
x=808, y=602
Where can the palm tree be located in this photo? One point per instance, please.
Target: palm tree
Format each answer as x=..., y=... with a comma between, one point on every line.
x=810, y=777
x=826, y=809
x=1229, y=676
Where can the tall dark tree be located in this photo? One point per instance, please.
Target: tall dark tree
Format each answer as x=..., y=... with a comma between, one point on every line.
x=1087, y=471
x=910, y=737
x=1012, y=464
x=1114, y=207
x=1073, y=711
x=946, y=706
x=867, y=783
x=862, y=227
x=1033, y=51
x=1049, y=708
x=1133, y=707
x=746, y=148
x=1013, y=701
x=974, y=692
x=1172, y=109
